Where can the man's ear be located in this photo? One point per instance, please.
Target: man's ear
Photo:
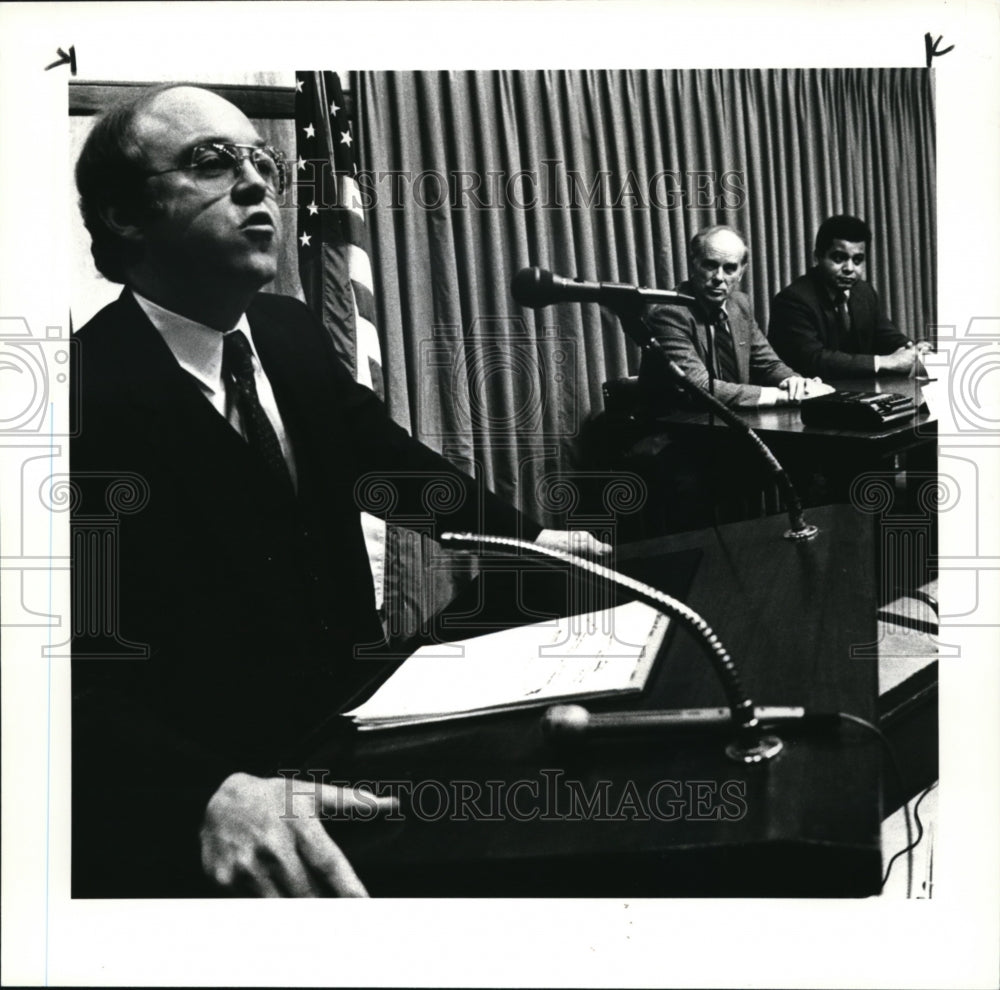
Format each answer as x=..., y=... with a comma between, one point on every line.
x=126, y=221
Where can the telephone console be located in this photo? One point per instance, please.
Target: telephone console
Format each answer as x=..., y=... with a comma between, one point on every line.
x=857, y=410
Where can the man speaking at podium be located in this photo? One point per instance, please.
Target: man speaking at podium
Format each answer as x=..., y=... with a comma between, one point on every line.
x=242, y=563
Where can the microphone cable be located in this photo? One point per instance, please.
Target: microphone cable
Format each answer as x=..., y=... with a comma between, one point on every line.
x=894, y=763
x=908, y=849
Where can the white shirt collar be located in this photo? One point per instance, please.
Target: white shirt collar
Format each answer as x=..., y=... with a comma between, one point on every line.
x=197, y=348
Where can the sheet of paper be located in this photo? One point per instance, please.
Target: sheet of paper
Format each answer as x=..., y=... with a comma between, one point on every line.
x=583, y=655
x=935, y=394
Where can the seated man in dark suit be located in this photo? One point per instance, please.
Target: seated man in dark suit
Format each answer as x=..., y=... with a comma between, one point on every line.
x=829, y=321
x=237, y=441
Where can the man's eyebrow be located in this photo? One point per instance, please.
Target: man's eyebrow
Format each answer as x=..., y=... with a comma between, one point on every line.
x=219, y=139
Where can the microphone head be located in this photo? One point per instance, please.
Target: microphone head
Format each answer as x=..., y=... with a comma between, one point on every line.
x=531, y=287
x=565, y=722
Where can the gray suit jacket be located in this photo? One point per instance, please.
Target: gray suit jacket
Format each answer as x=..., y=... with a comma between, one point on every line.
x=682, y=332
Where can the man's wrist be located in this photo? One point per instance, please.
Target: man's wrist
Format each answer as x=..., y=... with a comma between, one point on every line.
x=771, y=395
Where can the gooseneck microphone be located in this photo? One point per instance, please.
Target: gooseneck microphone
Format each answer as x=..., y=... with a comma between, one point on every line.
x=536, y=287
x=750, y=745
x=574, y=723
x=798, y=529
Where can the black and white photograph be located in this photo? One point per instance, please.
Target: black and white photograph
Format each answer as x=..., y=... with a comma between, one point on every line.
x=544, y=492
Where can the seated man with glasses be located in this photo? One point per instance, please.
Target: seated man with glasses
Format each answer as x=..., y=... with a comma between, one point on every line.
x=243, y=569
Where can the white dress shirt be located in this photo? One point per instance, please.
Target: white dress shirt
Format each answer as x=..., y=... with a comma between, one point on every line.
x=198, y=350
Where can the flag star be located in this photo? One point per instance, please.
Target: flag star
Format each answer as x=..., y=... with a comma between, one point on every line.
x=310, y=131
x=345, y=138
x=313, y=209
x=301, y=163
x=305, y=239
x=334, y=109
x=298, y=85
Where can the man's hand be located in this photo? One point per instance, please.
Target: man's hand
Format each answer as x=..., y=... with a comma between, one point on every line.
x=816, y=386
x=574, y=541
x=264, y=837
x=798, y=388
x=899, y=362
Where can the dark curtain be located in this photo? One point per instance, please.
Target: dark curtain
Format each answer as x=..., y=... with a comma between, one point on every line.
x=605, y=175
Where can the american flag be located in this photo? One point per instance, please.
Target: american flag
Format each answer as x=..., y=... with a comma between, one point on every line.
x=334, y=247
x=334, y=250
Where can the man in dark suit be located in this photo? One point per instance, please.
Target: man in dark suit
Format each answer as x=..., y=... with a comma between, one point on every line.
x=829, y=321
x=716, y=340
x=236, y=445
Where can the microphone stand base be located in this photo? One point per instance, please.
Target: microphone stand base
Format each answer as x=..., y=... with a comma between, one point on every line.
x=764, y=748
x=807, y=532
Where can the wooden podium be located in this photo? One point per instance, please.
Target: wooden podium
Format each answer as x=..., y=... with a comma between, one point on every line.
x=490, y=807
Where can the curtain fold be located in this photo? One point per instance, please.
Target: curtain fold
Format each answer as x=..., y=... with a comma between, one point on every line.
x=605, y=175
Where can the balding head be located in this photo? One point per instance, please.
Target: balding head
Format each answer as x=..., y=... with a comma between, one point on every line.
x=110, y=173
x=717, y=259
x=199, y=231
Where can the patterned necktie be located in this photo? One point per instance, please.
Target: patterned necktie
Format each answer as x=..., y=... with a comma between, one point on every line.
x=237, y=372
x=728, y=370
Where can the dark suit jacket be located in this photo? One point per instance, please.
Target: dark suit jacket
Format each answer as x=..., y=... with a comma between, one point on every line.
x=683, y=334
x=250, y=601
x=804, y=329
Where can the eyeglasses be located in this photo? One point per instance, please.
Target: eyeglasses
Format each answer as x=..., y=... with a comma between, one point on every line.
x=216, y=164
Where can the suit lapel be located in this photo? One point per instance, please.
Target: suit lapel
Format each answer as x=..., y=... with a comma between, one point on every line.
x=701, y=336
x=297, y=367
x=701, y=321
x=860, y=327
x=741, y=341
x=159, y=389
x=825, y=311
x=737, y=330
x=204, y=458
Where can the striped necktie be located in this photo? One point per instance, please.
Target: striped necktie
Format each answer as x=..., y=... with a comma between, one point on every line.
x=237, y=372
x=728, y=370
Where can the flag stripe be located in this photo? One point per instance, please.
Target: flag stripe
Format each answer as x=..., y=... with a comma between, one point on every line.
x=364, y=302
x=350, y=197
x=355, y=231
x=368, y=342
x=360, y=266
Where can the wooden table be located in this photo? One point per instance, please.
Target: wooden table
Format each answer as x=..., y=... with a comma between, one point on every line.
x=490, y=807
x=782, y=429
x=854, y=465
